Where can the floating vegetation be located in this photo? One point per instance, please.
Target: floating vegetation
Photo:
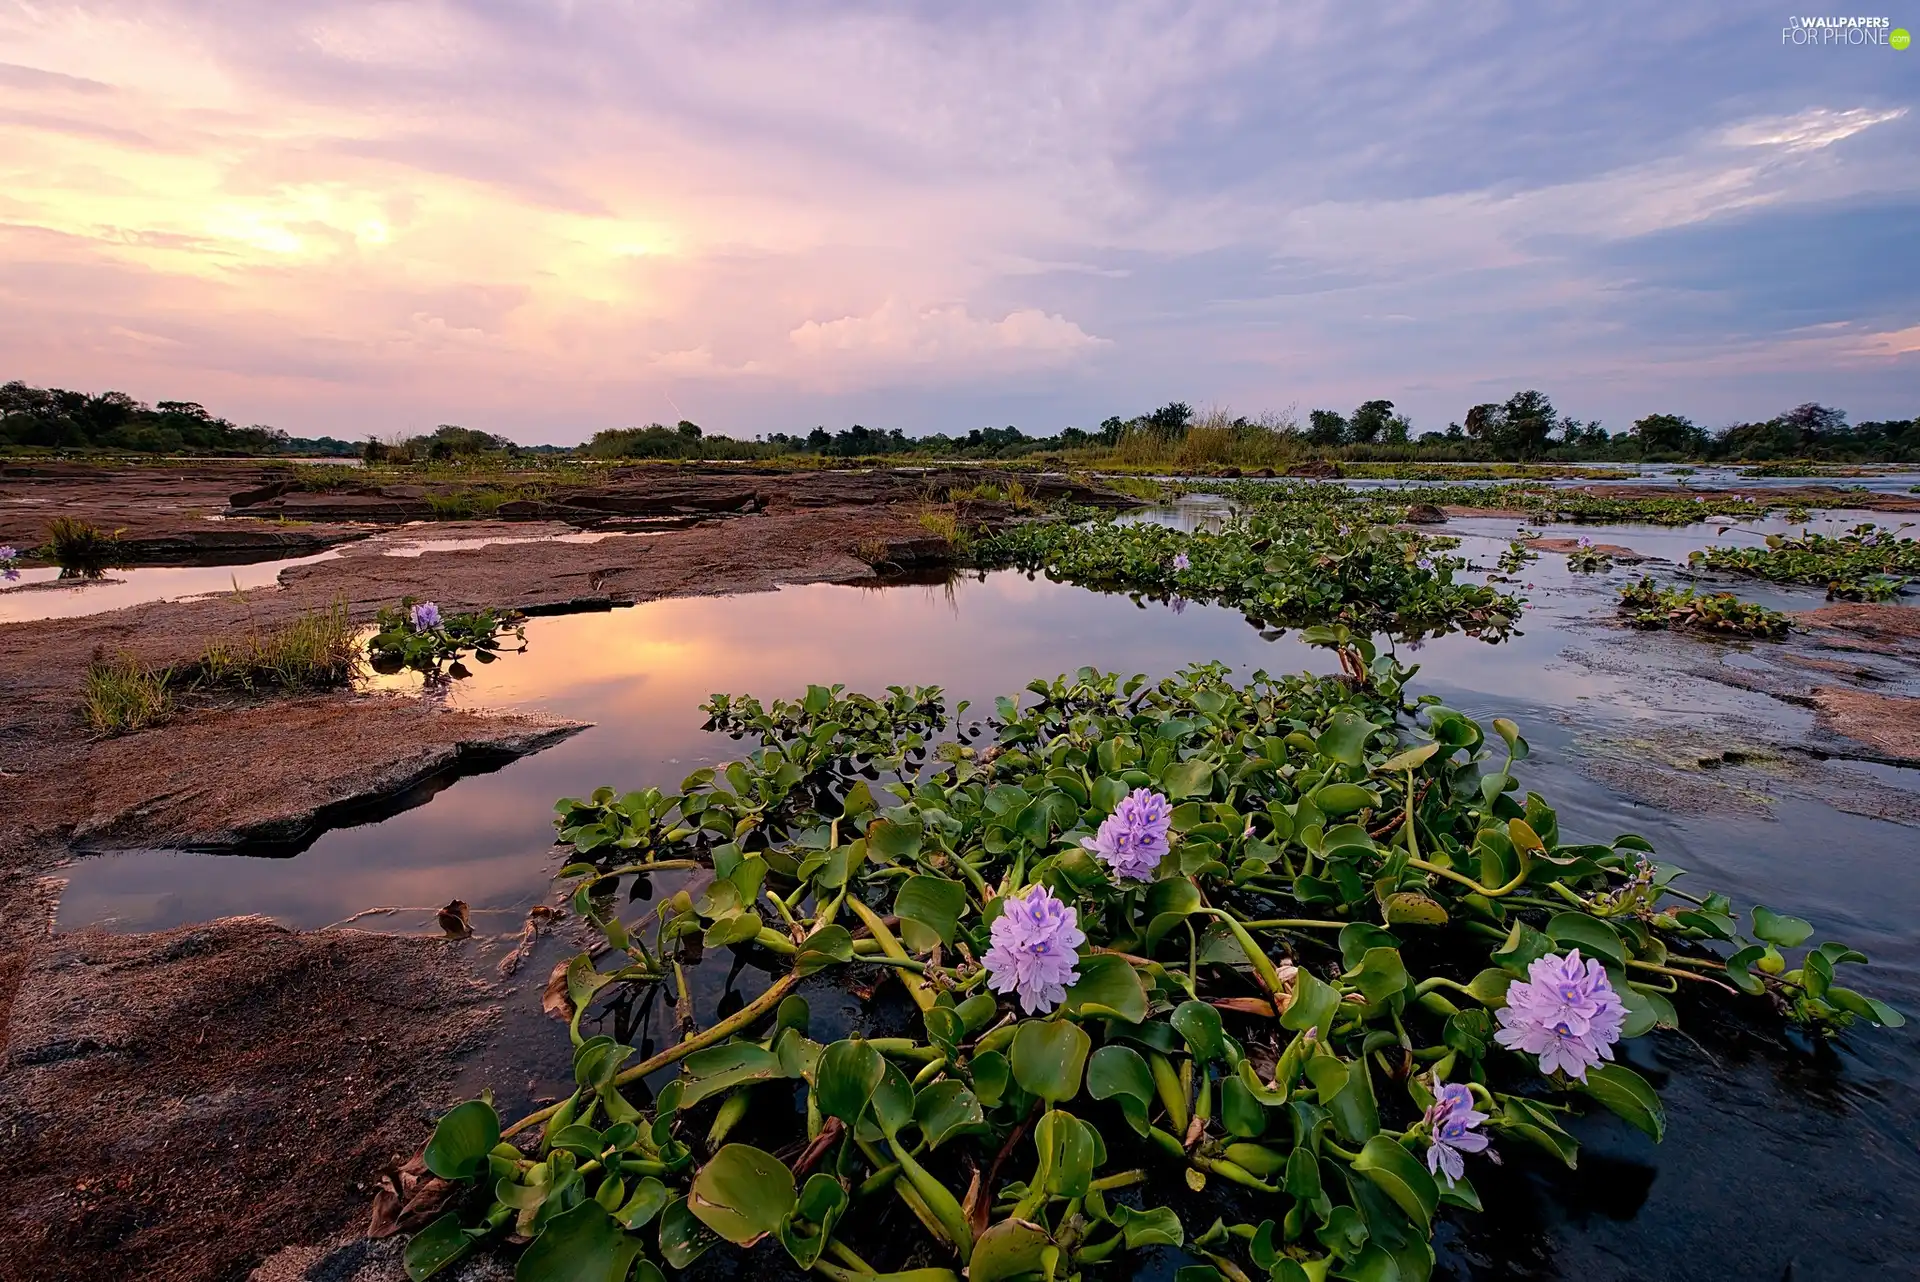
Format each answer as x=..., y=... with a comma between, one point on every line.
x=1518, y=555
x=121, y=695
x=1303, y=943
x=415, y=634
x=1541, y=504
x=1868, y=563
x=1653, y=607
x=1588, y=559
x=1280, y=569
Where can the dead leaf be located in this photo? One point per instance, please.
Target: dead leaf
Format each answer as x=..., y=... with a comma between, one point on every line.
x=554, y=1000
x=453, y=920
x=407, y=1199
x=538, y=918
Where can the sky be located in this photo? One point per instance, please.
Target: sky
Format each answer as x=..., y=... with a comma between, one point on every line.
x=546, y=217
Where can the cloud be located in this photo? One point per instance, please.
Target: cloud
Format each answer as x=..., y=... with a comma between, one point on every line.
x=946, y=338
x=339, y=215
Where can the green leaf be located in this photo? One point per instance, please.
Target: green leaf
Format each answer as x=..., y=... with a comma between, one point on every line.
x=1410, y=908
x=1402, y=1177
x=462, y=1140
x=1108, y=986
x=848, y=1073
x=1379, y=976
x=721, y=1068
x=1119, y=1073
x=1524, y=946
x=649, y=1198
x=1411, y=759
x=990, y=1076
x=892, y=1104
x=827, y=946
x=436, y=1246
x=894, y=841
x=1344, y=798
x=1156, y=1227
x=944, y=1109
x=1006, y=1250
x=581, y=1245
x=1048, y=1056
x=929, y=908
x=742, y=1193
x=1345, y=737
x=1170, y=901
x=1593, y=937
x=806, y=1231
x=1199, y=1024
x=1240, y=1112
x=1627, y=1093
x=1188, y=779
x=1313, y=1004
x=683, y=1238
x=1067, y=1150
x=1355, y=1115
x=1787, y=932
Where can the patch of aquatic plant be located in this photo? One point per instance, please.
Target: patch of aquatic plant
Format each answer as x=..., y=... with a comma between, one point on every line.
x=943, y=524
x=315, y=651
x=415, y=634
x=1010, y=492
x=1541, y=504
x=1518, y=555
x=120, y=695
x=8, y=555
x=1867, y=563
x=1588, y=559
x=1302, y=945
x=1280, y=569
x=1653, y=607
x=76, y=543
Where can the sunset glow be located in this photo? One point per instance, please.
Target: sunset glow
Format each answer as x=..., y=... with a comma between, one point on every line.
x=546, y=219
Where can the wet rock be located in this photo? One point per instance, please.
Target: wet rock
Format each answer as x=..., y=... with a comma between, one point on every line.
x=1315, y=468
x=1887, y=725
x=254, y=1087
x=1425, y=514
x=1567, y=547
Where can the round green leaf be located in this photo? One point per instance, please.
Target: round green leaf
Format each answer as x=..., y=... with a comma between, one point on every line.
x=742, y=1193
x=581, y=1245
x=1402, y=1177
x=1628, y=1094
x=462, y=1140
x=846, y=1077
x=1048, y=1056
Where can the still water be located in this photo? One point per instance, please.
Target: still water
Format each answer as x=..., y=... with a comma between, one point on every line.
x=1782, y=1159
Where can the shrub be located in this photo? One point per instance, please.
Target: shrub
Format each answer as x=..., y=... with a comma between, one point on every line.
x=78, y=543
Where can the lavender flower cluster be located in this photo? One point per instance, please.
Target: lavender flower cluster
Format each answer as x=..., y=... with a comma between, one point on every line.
x=1565, y=1011
x=7, y=555
x=1180, y=561
x=1452, y=1119
x=1133, y=839
x=425, y=616
x=1033, y=950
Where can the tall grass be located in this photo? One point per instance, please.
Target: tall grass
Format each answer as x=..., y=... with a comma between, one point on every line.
x=319, y=649
x=121, y=695
x=1216, y=439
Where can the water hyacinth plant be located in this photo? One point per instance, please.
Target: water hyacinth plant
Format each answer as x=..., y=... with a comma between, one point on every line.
x=1588, y=559
x=1867, y=563
x=1363, y=956
x=1649, y=606
x=8, y=555
x=1281, y=569
x=415, y=634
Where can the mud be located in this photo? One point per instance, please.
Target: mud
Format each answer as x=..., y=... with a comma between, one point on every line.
x=1888, y=725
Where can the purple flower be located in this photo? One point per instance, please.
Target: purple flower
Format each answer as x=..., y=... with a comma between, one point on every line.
x=425, y=616
x=1585, y=542
x=1565, y=1011
x=1133, y=839
x=7, y=554
x=1425, y=563
x=1033, y=950
x=1180, y=561
x=1177, y=604
x=1452, y=1119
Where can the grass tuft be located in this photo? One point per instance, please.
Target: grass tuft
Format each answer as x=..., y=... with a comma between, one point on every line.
x=72, y=541
x=121, y=695
x=317, y=650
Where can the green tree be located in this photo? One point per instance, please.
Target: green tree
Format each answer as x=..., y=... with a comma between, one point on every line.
x=1668, y=434
x=1369, y=422
x=1326, y=427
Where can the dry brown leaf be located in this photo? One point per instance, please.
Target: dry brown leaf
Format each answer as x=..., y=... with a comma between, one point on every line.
x=554, y=1000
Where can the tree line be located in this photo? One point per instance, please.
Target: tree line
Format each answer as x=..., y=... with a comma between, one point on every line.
x=1525, y=426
